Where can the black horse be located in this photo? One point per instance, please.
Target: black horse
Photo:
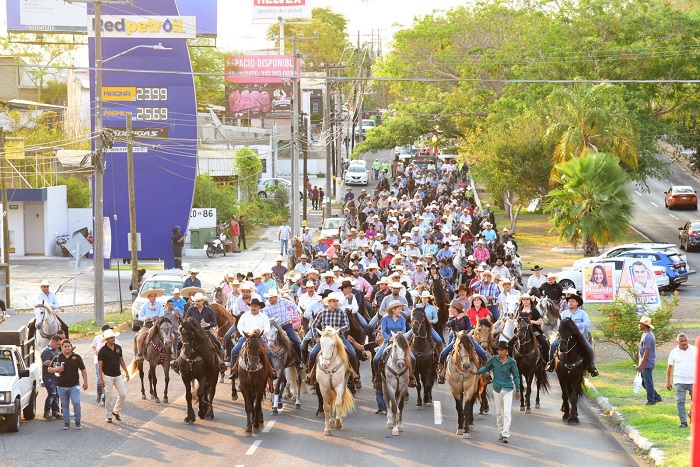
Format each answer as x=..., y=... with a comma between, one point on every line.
x=424, y=350
x=253, y=367
x=197, y=361
x=441, y=293
x=573, y=360
x=527, y=354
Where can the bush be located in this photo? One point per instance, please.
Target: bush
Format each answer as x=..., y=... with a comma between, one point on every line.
x=78, y=192
x=316, y=117
x=620, y=325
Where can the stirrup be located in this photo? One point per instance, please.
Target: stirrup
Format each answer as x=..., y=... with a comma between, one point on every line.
x=412, y=383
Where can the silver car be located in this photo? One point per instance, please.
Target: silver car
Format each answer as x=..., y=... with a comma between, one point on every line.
x=165, y=281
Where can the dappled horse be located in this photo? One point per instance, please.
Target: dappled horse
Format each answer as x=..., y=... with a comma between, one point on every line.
x=197, y=361
x=482, y=335
x=572, y=362
x=526, y=352
x=158, y=352
x=550, y=312
x=285, y=361
x=46, y=323
x=332, y=374
x=464, y=385
x=395, y=369
x=253, y=376
x=424, y=350
x=504, y=328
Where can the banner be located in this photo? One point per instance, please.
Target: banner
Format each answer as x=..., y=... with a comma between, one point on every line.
x=638, y=283
x=599, y=283
x=285, y=9
x=260, y=69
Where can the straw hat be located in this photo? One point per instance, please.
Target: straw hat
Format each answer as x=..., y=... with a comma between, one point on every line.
x=533, y=299
x=425, y=294
x=333, y=296
x=310, y=284
x=199, y=296
x=551, y=275
x=247, y=286
x=158, y=292
x=645, y=320
x=108, y=334
x=189, y=291
x=479, y=296
x=271, y=293
x=193, y=271
x=393, y=304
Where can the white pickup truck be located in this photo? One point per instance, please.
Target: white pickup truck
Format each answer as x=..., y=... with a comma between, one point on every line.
x=20, y=378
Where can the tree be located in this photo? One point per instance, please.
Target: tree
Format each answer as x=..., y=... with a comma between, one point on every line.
x=248, y=166
x=207, y=194
x=79, y=193
x=591, y=201
x=206, y=59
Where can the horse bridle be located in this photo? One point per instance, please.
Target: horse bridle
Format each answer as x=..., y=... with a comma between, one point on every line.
x=247, y=351
x=39, y=327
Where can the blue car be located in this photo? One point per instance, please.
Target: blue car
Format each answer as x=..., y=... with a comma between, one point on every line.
x=676, y=268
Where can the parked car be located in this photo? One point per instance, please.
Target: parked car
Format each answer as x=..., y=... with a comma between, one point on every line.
x=19, y=380
x=689, y=235
x=331, y=226
x=573, y=277
x=166, y=281
x=676, y=268
x=681, y=196
x=357, y=174
x=367, y=124
x=265, y=186
x=618, y=250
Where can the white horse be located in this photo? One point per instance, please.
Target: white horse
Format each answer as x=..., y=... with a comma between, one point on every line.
x=332, y=373
x=47, y=324
x=507, y=322
x=550, y=316
x=395, y=381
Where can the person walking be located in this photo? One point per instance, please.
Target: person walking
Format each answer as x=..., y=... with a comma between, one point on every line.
x=96, y=346
x=110, y=361
x=241, y=231
x=681, y=365
x=178, y=243
x=51, y=351
x=235, y=233
x=647, y=359
x=67, y=366
x=314, y=198
x=283, y=235
x=505, y=376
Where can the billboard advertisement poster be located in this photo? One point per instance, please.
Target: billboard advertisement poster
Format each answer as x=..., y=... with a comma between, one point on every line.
x=285, y=9
x=258, y=100
x=260, y=68
x=638, y=283
x=146, y=27
x=598, y=283
x=58, y=16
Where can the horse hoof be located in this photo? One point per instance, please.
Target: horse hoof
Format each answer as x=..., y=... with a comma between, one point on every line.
x=274, y=412
x=143, y=397
x=401, y=428
x=480, y=417
x=165, y=400
x=460, y=431
x=189, y=422
x=528, y=411
x=395, y=432
x=573, y=422
x=338, y=425
x=327, y=433
x=256, y=430
x=466, y=435
x=537, y=406
x=389, y=425
x=234, y=397
x=428, y=404
x=297, y=406
x=156, y=400
x=210, y=416
x=419, y=407
x=319, y=413
x=471, y=426
x=248, y=434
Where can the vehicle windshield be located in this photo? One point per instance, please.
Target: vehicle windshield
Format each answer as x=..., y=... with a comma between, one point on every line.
x=369, y=123
x=7, y=366
x=682, y=190
x=356, y=168
x=331, y=224
x=695, y=226
x=166, y=285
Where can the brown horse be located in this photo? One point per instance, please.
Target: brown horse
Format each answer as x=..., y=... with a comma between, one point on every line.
x=465, y=386
x=482, y=335
x=158, y=352
x=439, y=290
x=224, y=321
x=252, y=372
x=527, y=354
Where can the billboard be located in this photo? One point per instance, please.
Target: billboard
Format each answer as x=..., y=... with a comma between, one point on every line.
x=285, y=9
x=57, y=16
x=638, y=283
x=259, y=85
x=599, y=285
x=160, y=98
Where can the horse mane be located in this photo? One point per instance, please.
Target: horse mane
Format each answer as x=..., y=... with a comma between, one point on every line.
x=221, y=312
x=570, y=325
x=466, y=341
x=263, y=354
x=339, y=347
x=553, y=308
x=282, y=337
x=486, y=322
x=401, y=341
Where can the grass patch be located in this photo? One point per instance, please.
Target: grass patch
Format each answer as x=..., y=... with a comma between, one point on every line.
x=658, y=423
x=89, y=327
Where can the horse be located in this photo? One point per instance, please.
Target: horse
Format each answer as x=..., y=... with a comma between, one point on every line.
x=297, y=251
x=158, y=351
x=550, y=313
x=442, y=300
x=504, y=328
x=482, y=335
x=224, y=321
x=424, y=350
x=284, y=359
x=332, y=374
x=527, y=354
x=47, y=322
x=572, y=362
x=465, y=386
x=395, y=368
x=252, y=372
x=197, y=361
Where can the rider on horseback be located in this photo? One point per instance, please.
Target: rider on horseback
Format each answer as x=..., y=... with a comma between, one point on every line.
x=527, y=309
x=583, y=322
x=250, y=322
x=394, y=322
x=150, y=311
x=204, y=315
x=47, y=297
x=459, y=321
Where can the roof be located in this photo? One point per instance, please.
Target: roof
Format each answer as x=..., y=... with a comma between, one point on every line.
x=31, y=105
x=217, y=163
x=71, y=157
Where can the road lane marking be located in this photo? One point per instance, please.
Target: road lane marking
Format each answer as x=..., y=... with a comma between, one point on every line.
x=268, y=426
x=239, y=465
x=638, y=192
x=673, y=216
x=654, y=204
x=251, y=450
x=437, y=412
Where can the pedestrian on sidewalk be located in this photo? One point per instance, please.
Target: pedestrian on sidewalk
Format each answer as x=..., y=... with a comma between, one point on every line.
x=178, y=243
x=235, y=233
x=314, y=198
x=51, y=351
x=97, y=344
x=283, y=235
x=241, y=231
x=505, y=377
x=111, y=362
x=647, y=359
x=681, y=364
x=67, y=366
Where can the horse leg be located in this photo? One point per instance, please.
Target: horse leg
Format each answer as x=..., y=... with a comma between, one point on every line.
x=202, y=412
x=210, y=395
x=234, y=393
x=190, y=418
x=141, y=375
x=276, y=402
x=459, y=404
x=565, y=399
x=166, y=371
x=295, y=384
x=327, y=409
x=339, y=392
x=154, y=383
x=522, y=386
x=249, y=404
x=399, y=420
x=529, y=379
x=419, y=380
x=320, y=408
x=573, y=403
x=468, y=417
x=428, y=391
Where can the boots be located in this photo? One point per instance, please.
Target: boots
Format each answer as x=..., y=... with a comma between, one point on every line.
x=234, y=371
x=311, y=377
x=412, y=379
x=441, y=373
x=550, y=366
x=175, y=366
x=592, y=370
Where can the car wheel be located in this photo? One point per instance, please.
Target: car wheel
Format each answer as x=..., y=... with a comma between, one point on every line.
x=262, y=194
x=29, y=411
x=12, y=421
x=695, y=208
x=135, y=327
x=567, y=284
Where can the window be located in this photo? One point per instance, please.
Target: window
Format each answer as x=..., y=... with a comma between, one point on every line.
x=356, y=169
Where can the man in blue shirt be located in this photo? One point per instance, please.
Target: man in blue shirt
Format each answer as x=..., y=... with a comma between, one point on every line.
x=647, y=359
x=48, y=297
x=151, y=311
x=192, y=281
x=51, y=409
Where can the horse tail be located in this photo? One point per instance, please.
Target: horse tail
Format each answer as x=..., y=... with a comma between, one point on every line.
x=542, y=379
x=348, y=403
x=133, y=368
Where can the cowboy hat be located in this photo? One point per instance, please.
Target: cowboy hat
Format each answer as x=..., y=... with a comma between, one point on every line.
x=108, y=334
x=570, y=290
x=462, y=287
x=457, y=304
x=189, y=291
x=157, y=292
x=247, y=286
x=507, y=280
x=502, y=345
x=395, y=285
x=578, y=299
x=271, y=293
x=487, y=272
x=373, y=266
x=345, y=284
x=425, y=294
x=645, y=320
x=176, y=291
x=193, y=271
x=383, y=280
x=479, y=296
x=393, y=304
x=333, y=296
x=199, y=296
x=536, y=268
x=255, y=301
x=280, y=258
x=551, y=275
x=310, y=284
x=45, y=282
x=532, y=298
x=328, y=274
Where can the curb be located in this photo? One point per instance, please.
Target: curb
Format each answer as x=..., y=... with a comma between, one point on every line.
x=640, y=441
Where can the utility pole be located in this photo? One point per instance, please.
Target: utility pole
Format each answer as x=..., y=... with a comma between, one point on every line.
x=359, y=90
x=305, y=152
x=328, y=140
x=98, y=227
x=5, y=218
x=132, y=208
x=295, y=140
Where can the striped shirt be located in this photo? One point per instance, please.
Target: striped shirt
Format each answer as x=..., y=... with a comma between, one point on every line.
x=336, y=319
x=280, y=310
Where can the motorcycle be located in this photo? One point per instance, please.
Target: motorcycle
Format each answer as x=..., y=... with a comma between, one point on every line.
x=61, y=241
x=218, y=245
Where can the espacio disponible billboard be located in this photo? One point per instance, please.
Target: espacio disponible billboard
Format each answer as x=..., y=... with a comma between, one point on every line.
x=285, y=9
x=57, y=16
x=161, y=100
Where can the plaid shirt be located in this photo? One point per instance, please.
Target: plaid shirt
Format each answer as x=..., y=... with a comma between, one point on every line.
x=335, y=319
x=280, y=310
x=486, y=290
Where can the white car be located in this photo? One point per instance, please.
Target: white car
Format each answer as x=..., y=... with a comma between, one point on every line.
x=367, y=124
x=357, y=174
x=573, y=277
x=166, y=281
x=331, y=226
x=265, y=186
x=617, y=250
x=19, y=387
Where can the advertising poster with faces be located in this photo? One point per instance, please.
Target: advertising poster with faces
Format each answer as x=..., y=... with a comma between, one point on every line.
x=598, y=283
x=638, y=283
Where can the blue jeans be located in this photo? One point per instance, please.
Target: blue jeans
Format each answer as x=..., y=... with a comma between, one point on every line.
x=648, y=384
x=69, y=396
x=176, y=341
x=100, y=389
x=237, y=349
x=446, y=351
x=363, y=322
x=51, y=404
x=284, y=246
x=352, y=356
x=495, y=313
x=681, y=390
x=292, y=334
x=379, y=395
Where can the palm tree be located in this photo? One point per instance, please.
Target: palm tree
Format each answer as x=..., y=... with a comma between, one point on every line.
x=591, y=201
x=587, y=121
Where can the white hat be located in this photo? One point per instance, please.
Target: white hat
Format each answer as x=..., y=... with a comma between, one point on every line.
x=193, y=271
x=108, y=333
x=271, y=293
x=199, y=296
x=247, y=285
x=280, y=258
x=333, y=296
x=310, y=284
x=425, y=294
x=395, y=285
x=571, y=290
x=176, y=290
x=45, y=282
